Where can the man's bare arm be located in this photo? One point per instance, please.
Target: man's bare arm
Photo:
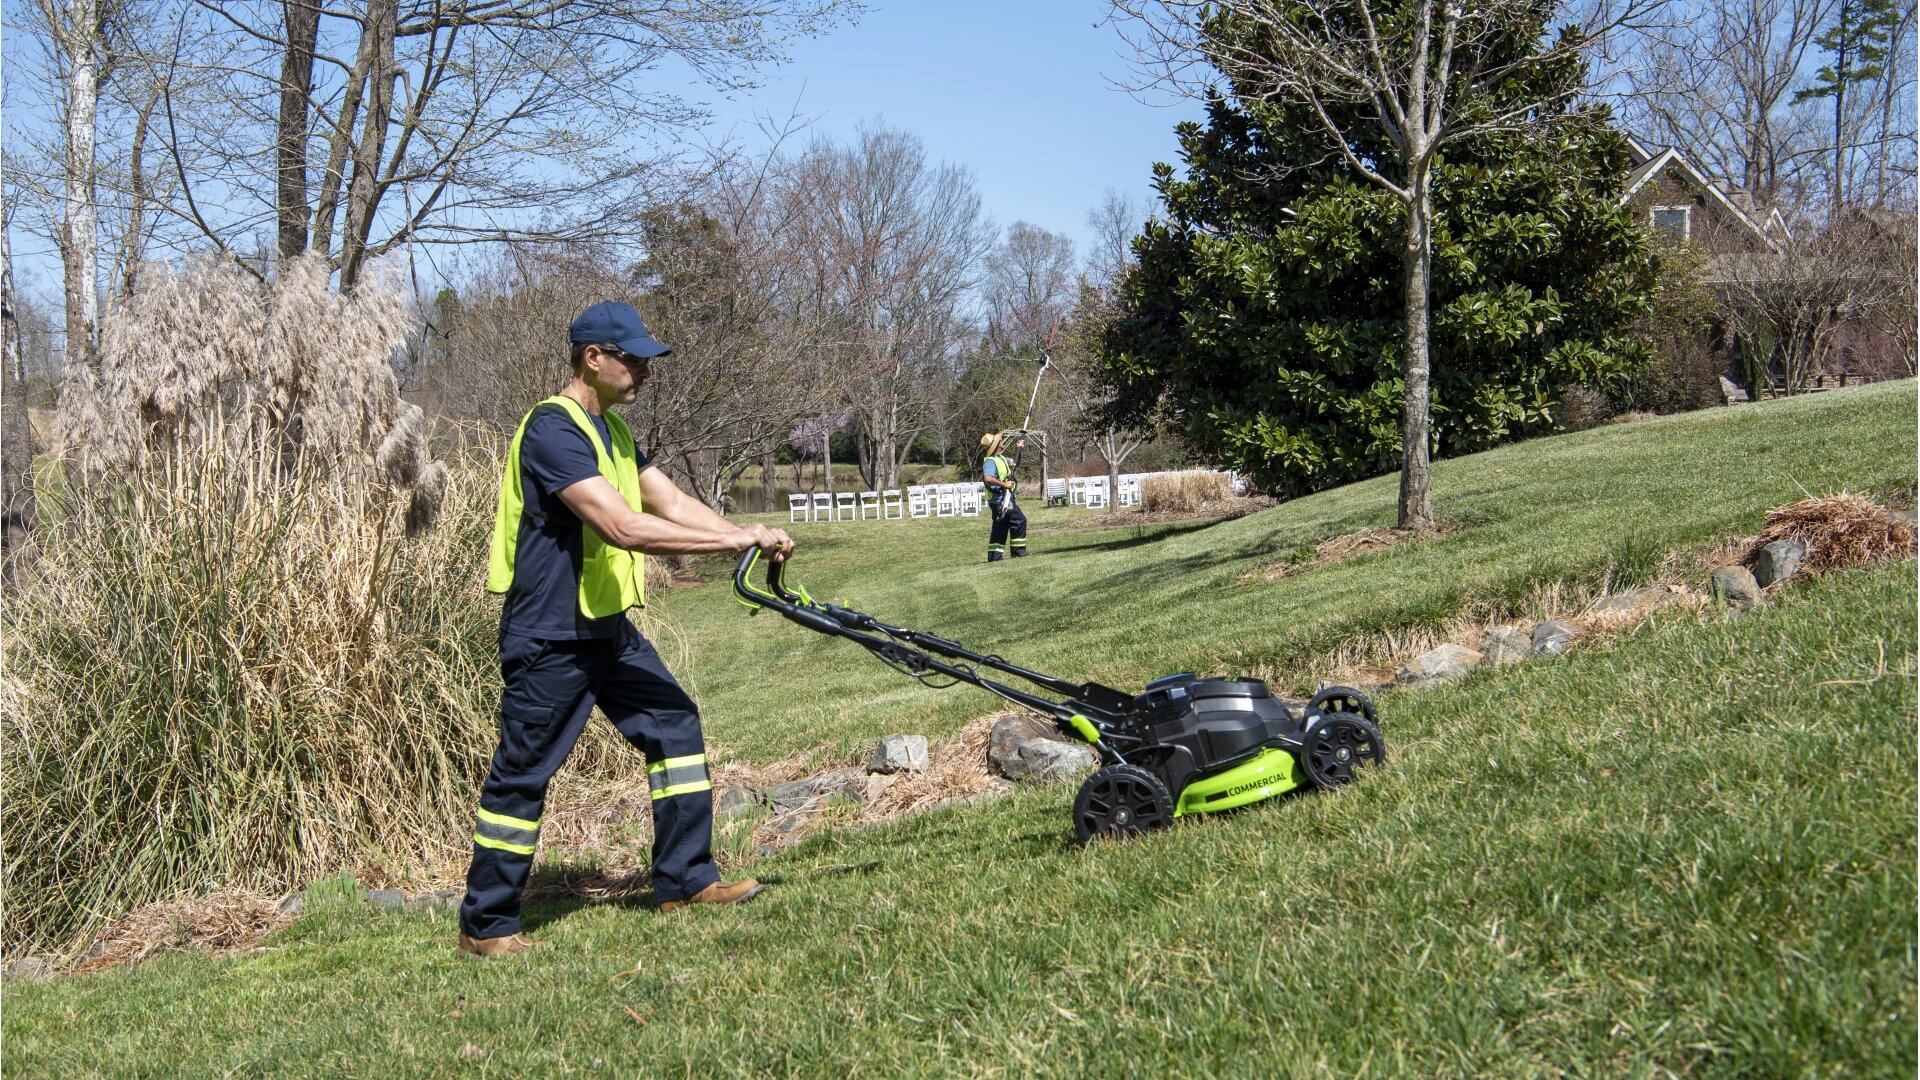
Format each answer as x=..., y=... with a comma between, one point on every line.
x=606, y=512
x=660, y=495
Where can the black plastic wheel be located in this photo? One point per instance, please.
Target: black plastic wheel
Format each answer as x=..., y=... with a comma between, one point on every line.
x=1338, y=745
x=1343, y=699
x=1121, y=800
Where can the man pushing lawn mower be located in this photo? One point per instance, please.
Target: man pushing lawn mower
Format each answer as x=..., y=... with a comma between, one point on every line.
x=579, y=505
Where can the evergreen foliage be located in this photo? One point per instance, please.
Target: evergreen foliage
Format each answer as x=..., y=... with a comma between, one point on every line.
x=1267, y=306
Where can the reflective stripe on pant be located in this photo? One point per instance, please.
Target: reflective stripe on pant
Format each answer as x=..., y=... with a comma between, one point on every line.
x=1009, y=532
x=550, y=688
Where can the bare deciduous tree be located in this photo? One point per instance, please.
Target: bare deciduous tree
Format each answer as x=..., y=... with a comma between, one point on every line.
x=896, y=243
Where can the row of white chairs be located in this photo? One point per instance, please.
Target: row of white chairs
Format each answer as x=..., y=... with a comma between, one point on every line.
x=917, y=501
x=966, y=499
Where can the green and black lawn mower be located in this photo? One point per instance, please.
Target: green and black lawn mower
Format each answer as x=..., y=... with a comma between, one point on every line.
x=1184, y=745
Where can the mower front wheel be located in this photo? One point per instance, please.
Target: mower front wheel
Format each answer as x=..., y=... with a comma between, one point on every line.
x=1121, y=800
x=1337, y=746
x=1343, y=699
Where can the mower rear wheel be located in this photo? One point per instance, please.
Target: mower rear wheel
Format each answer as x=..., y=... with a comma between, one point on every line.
x=1121, y=800
x=1338, y=745
x=1343, y=699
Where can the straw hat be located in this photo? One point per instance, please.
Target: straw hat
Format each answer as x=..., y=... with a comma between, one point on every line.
x=990, y=442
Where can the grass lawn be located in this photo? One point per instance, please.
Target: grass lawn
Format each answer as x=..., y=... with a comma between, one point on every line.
x=1687, y=849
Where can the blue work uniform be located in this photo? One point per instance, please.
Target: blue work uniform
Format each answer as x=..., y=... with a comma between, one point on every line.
x=1009, y=532
x=556, y=663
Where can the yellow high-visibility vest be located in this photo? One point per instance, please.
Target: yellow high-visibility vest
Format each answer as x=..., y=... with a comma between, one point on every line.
x=612, y=579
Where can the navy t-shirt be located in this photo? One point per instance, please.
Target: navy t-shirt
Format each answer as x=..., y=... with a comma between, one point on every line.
x=544, y=599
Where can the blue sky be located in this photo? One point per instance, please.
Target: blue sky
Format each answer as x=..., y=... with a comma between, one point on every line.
x=1022, y=94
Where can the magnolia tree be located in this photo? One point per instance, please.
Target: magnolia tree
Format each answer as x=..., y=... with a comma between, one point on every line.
x=1389, y=90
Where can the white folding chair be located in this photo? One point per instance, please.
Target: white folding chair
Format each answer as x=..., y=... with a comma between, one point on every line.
x=890, y=508
x=797, y=509
x=822, y=506
x=1096, y=497
x=848, y=508
x=1076, y=491
x=918, y=503
x=1098, y=486
x=970, y=500
x=946, y=501
x=869, y=500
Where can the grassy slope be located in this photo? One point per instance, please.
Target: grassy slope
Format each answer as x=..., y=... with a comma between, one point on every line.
x=1127, y=605
x=1689, y=849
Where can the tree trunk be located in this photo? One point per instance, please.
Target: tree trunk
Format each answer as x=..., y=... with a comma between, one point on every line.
x=340, y=144
x=137, y=201
x=80, y=240
x=363, y=190
x=1113, y=479
x=1416, y=500
x=296, y=83
x=16, y=428
x=766, y=481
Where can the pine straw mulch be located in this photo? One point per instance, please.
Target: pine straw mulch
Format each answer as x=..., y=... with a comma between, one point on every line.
x=1839, y=530
x=226, y=922
x=1218, y=510
x=1338, y=548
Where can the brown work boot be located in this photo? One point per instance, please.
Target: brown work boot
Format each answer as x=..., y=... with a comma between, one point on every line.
x=496, y=946
x=720, y=892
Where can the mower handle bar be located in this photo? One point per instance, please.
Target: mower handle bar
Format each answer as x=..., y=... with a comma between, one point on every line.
x=890, y=642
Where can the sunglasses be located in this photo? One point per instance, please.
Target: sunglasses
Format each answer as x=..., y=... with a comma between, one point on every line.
x=646, y=363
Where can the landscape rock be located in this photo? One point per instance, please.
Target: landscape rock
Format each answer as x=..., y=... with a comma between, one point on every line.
x=1637, y=602
x=1048, y=760
x=808, y=793
x=1908, y=517
x=387, y=898
x=899, y=753
x=28, y=967
x=437, y=900
x=291, y=906
x=1504, y=645
x=733, y=801
x=1779, y=561
x=1735, y=586
x=1552, y=637
x=1444, y=664
x=1025, y=747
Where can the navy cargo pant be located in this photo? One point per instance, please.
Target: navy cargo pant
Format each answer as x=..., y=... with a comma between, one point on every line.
x=1009, y=530
x=550, y=688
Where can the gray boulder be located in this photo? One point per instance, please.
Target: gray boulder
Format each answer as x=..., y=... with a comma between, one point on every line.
x=1444, y=664
x=899, y=753
x=1552, y=637
x=291, y=906
x=28, y=967
x=1637, y=602
x=1503, y=645
x=1047, y=760
x=1779, y=561
x=845, y=784
x=1735, y=586
x=732, y=801
x=387, y=898
x=1023, y=747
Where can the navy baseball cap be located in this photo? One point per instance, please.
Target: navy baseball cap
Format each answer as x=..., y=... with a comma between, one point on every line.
x=615, y=322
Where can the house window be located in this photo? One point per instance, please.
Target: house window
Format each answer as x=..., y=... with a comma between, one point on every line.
x=1673, y=221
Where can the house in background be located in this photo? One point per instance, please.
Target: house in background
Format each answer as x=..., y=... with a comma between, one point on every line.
x=1671, y=197
x=1746, y=244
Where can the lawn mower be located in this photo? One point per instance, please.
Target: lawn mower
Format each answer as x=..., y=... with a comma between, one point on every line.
x=1185, y=745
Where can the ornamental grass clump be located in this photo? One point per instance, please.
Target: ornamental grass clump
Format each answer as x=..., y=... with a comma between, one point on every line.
x=243, y=657
x=1183, y=492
